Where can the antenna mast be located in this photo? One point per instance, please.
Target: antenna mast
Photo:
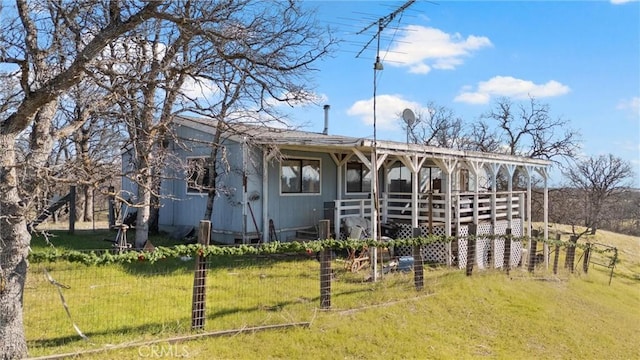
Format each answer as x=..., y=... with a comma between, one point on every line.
x=382, y=23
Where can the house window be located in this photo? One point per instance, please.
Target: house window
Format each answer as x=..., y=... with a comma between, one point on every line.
x=358, y=178
x=300, y=176
x=399, y=179
x=197, y=175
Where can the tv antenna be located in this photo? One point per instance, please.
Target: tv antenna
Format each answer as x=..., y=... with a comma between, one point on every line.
x=382, y=23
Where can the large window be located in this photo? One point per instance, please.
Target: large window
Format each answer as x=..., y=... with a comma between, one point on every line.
x=300, y=176
x=400, y=179
x=197, y=175
x=358, y=178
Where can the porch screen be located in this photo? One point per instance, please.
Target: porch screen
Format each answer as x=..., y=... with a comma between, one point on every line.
x=300, y=176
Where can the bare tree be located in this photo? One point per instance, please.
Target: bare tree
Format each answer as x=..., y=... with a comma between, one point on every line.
x=90, y=154
x=40, y=54
x=530, y=130
x=249, y=63
x=438, y=126
x=599, y=179
x=255, y=69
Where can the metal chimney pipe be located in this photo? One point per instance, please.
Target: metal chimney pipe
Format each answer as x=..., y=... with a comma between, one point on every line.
x=326, y=120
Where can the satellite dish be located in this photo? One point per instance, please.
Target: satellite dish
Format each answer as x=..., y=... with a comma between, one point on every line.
x=409, y=117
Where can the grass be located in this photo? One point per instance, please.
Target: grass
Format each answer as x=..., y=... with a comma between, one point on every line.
x=488, y=315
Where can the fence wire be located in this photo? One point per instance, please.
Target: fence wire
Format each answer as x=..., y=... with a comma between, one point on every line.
x=70, y=307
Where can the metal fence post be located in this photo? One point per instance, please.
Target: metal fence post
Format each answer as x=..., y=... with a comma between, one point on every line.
x=200, y=279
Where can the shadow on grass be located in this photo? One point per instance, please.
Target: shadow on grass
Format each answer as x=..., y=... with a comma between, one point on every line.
x=135, y=331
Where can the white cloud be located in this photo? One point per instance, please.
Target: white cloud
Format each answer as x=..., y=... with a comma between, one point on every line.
x=388, y=110
x=619, y=2
x=198, y=88
x=510, y=87
x=422, y=48
x=632, y=105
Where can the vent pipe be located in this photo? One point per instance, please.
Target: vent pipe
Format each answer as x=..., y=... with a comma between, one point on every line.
x=326, y=120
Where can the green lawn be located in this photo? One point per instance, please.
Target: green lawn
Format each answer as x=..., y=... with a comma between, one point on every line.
x=488, y=315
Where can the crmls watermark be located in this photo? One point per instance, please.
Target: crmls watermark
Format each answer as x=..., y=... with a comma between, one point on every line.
x=163, y=351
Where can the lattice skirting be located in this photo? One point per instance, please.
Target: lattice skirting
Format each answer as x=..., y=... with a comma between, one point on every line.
x=437, y=253
x=485, y=246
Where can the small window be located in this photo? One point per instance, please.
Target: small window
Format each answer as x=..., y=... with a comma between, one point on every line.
x=300, y=176
x=197, y=175
x=358, y=178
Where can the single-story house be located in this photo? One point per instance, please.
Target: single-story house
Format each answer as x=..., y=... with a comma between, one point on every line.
x=280, y=183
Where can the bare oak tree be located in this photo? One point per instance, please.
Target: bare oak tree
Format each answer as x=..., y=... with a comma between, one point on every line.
x=530, y=130
x=438, y=126
x=598, y=179
x=40, y=53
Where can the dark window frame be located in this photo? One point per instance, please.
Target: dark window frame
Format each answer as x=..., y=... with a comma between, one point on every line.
x=302, y=188
x=361, y=169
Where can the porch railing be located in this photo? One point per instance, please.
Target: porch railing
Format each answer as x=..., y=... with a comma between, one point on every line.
x=397, y=207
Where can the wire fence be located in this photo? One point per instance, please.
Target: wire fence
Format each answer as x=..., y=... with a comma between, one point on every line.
x=70, y=307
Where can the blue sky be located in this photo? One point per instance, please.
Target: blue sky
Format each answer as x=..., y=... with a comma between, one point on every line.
x=582, y=58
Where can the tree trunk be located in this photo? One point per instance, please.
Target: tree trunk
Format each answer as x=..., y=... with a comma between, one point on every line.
x=14, y=244
x=80, y=202
x=154, y=211
x=87, y=214
x=144, y=200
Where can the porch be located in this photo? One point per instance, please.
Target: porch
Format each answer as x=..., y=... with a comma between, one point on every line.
x=465, y=208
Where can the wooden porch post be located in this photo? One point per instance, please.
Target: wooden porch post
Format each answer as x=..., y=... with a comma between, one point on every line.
x=447, y=214
x=529, y=223
x=546, y=218
x=415, y=186
x=494, y=169
x=510, y=171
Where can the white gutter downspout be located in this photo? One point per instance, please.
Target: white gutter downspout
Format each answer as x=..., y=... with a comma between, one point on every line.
x=265, y=194
x=245, y=199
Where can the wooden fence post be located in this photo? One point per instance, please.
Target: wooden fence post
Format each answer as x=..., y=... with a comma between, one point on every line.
x=200, y=279
x=325, y=266
x=585, y=261
x=557, y=255
x=571, y=253
x=506, y=259
x=72, y=209
x=534, y=250
x=471, y=248
x=418, y=268
x=112, y=204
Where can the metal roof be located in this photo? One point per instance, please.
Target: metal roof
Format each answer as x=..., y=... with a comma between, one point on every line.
x=305, y=140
